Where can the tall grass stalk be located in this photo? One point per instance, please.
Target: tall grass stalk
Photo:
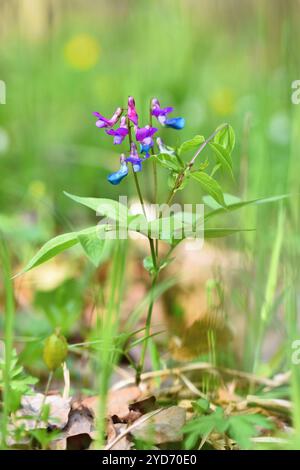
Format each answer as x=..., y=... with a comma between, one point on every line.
x=9, y=315
x=107, y=355
x=270, y=291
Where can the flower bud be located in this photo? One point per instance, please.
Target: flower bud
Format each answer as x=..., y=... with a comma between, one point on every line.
x=55, y=350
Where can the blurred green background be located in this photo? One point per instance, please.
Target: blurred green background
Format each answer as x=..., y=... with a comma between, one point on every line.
x=215, y=61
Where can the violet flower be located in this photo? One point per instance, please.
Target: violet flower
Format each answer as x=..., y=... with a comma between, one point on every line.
x=131, y=113
x=103, y=122
x=120, y=133
x=144, y=136
x=117, y=176
x=161, y=115
x=134, y=159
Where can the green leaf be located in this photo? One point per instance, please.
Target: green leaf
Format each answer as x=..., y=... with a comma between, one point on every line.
x=191, y=144
x=233, y=206
x=57, y=245
x=106, y=207
x=148, y=264
x=94, y=246
x=223, y=156
x=168, y=161
x=204, y=425
x=210, y=186
x=52, y=248
x=201, y=406
x=242, y=428
x=224, y=232
x=226, y=138
x=228, y=198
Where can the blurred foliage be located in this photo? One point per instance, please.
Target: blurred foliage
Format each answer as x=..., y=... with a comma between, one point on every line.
x=215, y=61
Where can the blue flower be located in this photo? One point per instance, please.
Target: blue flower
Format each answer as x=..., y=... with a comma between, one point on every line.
x=175, y=123
x=117, y=176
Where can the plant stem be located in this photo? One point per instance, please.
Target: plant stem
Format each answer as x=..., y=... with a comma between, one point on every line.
x=9, y=319
x=182, y=174
x=154, y=167
x=147, y=332
x=151, y=243
x=153, y=250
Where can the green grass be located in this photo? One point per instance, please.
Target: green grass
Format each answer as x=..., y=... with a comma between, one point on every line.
x=9, y=318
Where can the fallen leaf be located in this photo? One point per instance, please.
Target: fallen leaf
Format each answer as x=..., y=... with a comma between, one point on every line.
x=143, y=406
x=117, y=404
x=114, y=430
x=31, y=405
x=163, y=427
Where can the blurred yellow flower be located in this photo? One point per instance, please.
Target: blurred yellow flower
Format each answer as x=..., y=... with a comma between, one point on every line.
x=82, y=52
x=37, y=189
x=223, y=102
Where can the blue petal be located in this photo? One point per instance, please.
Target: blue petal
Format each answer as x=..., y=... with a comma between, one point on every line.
x=137, y=166
x=116, y=178
x=145, y=148
x=175, y=123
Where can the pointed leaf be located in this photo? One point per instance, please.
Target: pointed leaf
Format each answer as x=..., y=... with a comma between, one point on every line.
x=106, y=207
x=239, y=204
x=223, y=156
x=210, y=186
x=168, y=161
x=94, y=246
x=191, y=144
x=226, y=138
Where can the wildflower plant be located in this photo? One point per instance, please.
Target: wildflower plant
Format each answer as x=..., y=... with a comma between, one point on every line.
x=145, y=146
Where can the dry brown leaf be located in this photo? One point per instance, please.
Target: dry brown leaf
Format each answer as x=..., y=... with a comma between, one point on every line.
x=117, y=404
x=31, y=405
x=163, y=427
x=114, y=430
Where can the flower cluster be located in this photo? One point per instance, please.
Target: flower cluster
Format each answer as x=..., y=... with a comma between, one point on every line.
x=138, y=136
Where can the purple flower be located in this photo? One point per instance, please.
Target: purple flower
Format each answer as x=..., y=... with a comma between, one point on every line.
x=117, y=176
x=161, y=115
x=132, y=114
x=103, y=122
x=120, y=133
x=144, y=136
x=134, y=159
x=158, y=112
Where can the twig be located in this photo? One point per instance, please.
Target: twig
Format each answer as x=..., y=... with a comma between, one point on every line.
x=66, y=373
x=199, y=366
x=130, y=428
x=195, y=390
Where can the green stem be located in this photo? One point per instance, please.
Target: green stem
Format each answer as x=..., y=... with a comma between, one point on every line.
x=147, y=332
x=154, y=167
x=154, y=261
x=183, y=173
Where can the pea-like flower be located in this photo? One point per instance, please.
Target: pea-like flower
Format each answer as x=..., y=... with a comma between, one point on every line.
x=134, y=159
x=144, y=135
x=164, y=148
x=161, y=115
x=103, y=122
x=117, y=176
x=120, y=133
x=175, y=123
x=131, y=112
